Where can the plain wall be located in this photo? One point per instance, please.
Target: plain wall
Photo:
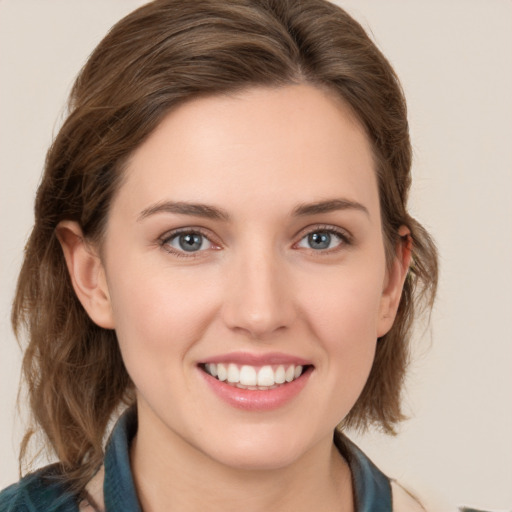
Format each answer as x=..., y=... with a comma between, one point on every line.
x=454, y=58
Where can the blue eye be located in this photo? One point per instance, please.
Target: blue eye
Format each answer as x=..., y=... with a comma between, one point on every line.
x=188, y=242
x=321, y=240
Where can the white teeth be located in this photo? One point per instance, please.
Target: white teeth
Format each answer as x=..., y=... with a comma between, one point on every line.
x=233, y=373
x=266, y=376
x=250, y=377
x=280, y=375
x=212, y=369
x=222, y=372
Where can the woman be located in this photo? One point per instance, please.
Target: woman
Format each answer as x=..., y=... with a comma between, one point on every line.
x=222, y=244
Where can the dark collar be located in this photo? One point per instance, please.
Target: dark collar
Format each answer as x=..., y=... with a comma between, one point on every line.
x=372, y=489
x=118, y=487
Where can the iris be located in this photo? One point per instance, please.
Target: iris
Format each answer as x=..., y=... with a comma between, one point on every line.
x=190, y=242
x=319, y=240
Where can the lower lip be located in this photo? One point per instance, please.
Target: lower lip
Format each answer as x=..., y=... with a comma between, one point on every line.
x=257, y=400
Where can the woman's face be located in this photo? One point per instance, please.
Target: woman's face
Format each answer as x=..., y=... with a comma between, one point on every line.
x=243, y=249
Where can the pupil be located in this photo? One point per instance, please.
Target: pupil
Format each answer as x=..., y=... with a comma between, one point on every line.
x=190, y=242
x=319, y=240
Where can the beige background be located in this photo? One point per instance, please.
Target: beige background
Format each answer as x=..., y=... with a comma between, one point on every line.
x=455, y=61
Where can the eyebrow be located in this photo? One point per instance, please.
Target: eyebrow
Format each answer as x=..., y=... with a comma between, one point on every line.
x=184, y=208
x=213, y=212
x=330, y=205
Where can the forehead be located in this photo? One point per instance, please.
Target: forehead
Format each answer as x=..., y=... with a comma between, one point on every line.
x=263, y=144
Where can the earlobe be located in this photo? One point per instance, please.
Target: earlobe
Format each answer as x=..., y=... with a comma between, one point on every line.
x=87, y=273
x=395, y=280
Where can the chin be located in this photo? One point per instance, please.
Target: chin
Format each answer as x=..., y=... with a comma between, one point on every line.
x=262, y=461
x=257, y=451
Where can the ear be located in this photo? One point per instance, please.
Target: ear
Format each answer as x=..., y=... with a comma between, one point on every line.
x=394, y=283
x=87, y=273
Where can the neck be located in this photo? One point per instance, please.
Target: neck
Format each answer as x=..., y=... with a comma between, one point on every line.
x=172, y=475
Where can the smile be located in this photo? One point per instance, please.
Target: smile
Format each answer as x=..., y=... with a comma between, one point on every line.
x=254, y=377
x=256, y=382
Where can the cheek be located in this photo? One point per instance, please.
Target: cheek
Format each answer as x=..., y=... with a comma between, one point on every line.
x=348, y=330
x=346, y=308
x=158, y=316
x=344, y=317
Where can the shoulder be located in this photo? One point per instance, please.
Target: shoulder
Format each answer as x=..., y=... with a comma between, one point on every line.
x=41, y=491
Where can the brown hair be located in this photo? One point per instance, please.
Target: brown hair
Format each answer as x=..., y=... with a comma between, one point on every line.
x=159, y=56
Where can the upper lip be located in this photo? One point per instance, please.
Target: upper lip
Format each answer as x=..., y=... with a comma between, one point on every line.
x=246, y=358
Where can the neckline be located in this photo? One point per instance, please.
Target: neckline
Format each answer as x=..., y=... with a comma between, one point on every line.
x=371, y=488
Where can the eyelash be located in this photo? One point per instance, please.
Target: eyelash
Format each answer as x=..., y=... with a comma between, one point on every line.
x=346, y=238
x=164, y=241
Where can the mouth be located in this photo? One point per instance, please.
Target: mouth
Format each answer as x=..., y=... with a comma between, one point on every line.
x=256, y=383
x=255, y=378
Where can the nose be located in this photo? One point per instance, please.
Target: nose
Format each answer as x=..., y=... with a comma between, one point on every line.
x=259, y=297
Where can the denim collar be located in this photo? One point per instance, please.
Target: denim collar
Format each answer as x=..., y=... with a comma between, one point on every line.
x=118, y=486
x=372, y=490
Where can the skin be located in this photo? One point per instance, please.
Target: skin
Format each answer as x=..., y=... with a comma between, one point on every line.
x=255, y=286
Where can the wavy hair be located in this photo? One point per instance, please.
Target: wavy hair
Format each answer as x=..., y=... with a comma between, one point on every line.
x=161, y=55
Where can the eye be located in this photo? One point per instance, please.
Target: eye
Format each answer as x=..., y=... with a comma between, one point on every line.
x=186, y=242
x=322, y=240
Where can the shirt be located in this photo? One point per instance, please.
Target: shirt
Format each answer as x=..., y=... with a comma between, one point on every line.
x=42, y=491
